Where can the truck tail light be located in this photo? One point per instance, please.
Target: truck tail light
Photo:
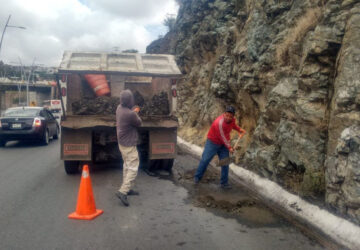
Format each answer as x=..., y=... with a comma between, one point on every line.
x=173, y=88
x=37, y=122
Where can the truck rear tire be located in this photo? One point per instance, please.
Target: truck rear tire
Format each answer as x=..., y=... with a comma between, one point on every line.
x=71, y=167
x=161, y=164
x=167, y=164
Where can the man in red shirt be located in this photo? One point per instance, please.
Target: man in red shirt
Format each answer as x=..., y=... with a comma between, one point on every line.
x=218, y=142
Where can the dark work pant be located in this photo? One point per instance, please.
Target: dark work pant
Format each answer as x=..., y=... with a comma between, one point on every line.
x=210, y=150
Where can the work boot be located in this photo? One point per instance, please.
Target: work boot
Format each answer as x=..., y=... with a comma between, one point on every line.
x=225, y=186
x=196, y=181
x=133, y=192
x=123, y=198
x=148, y=172
x=163, y=173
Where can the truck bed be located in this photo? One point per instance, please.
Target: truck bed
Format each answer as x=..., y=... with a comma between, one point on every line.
x=89, y=121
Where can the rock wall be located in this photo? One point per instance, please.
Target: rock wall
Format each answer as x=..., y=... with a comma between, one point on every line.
x=292, y=70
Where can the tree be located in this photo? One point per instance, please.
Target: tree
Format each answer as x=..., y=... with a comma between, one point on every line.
x=130, y=51
x=9, y=70
x=170, y=21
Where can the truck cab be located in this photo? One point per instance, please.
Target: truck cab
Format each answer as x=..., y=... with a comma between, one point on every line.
x=88, y=126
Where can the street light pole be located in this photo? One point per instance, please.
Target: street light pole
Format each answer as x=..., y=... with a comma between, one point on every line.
x=10, y=26
x=22, y=79
x=28, y=82
x=2, y=36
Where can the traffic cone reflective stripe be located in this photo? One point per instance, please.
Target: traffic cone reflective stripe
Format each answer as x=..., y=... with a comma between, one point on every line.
x=85, y=208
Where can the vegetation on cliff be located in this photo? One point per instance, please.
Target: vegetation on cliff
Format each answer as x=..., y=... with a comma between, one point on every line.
x=292, y=70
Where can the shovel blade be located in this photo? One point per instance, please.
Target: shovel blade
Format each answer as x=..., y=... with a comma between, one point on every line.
x=224, y=162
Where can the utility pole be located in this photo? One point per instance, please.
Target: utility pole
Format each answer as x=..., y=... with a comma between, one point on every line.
x=2, y=36
x=21, y=81
x=27, y=83
x=10, y=26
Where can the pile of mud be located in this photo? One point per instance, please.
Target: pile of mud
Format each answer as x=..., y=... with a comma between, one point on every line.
x=102, y=105
x=228, y=206
x=233, y=203
x=157, y=105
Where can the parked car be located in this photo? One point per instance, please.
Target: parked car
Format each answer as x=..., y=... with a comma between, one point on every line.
x=28, y=123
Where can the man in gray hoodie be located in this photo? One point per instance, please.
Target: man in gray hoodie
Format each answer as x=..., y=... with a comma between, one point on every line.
x=127, y=122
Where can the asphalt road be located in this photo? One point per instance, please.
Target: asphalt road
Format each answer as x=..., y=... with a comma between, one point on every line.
x=36, y=197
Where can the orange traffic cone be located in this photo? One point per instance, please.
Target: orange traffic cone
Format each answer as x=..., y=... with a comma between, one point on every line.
x=85, y=208
x=98, y=83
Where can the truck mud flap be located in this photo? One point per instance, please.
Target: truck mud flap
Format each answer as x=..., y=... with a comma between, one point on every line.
x=76, y=144
x=162, y=143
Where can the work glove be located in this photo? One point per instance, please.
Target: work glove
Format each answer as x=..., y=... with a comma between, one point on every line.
x=136, y=109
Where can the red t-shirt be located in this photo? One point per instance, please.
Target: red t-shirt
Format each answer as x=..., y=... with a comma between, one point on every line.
x=219, y=132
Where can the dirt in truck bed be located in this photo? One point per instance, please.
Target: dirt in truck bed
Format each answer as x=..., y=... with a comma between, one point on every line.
x=158, y=105
x=104, y=105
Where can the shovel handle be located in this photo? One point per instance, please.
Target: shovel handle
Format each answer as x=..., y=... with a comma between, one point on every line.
x=237, y=142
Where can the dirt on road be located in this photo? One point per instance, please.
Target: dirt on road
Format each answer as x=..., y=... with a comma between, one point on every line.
x=234, y=203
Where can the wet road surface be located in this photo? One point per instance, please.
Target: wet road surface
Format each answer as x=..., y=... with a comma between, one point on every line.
x=170, y=213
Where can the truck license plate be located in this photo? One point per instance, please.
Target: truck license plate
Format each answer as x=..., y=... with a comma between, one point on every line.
x=16, y=125
x=76, y=149
x=163, y=148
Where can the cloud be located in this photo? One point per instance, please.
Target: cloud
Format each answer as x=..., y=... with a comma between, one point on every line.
x=93, y=25
x=149, y=12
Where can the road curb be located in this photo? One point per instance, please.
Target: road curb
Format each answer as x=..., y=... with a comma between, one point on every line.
x=338, y=229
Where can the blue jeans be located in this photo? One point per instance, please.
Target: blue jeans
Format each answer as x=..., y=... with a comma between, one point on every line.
x=209, y=152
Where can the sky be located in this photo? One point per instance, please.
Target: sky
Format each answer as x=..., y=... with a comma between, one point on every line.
x=53, y=26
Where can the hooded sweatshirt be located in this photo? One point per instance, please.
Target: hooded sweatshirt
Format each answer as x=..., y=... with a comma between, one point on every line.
x=127, y=121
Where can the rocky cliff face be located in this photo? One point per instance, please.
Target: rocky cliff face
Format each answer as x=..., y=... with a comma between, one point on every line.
x=292, y=70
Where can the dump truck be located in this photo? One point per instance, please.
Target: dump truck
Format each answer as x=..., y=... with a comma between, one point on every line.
x=88, y=124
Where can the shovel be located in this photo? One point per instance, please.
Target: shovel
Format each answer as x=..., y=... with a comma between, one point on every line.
x=230, y=159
